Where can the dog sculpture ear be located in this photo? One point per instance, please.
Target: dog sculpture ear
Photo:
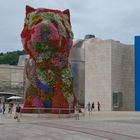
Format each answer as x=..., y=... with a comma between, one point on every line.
x=29, y=9
x=67, y=12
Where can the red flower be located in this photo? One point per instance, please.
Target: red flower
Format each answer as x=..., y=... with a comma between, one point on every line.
x=55, y=61
x=54, y=36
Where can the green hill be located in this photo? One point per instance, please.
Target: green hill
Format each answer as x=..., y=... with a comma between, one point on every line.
x=10, y=58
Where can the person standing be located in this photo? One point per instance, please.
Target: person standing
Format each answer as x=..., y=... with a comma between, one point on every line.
x=0, y=109
x=92, y=106
x=3, y=108
x=89, y=108
x=77, y=108
x=99, y=106
x=10, y=109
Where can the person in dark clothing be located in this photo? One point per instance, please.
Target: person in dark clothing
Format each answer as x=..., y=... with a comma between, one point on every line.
x=92, y=106
x=3, y=108
x=89, y=107
x=99, y=106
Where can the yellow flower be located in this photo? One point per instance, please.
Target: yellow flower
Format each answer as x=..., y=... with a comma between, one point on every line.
x=35, y=20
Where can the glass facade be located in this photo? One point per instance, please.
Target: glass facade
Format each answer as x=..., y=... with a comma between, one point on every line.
x=77, y=61
x=137, y=73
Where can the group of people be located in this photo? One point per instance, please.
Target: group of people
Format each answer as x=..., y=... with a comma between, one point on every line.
x=91, y=106
x=17, y=109
x=12, y=109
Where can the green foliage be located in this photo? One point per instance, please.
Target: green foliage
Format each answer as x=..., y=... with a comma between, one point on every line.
x=10, y=58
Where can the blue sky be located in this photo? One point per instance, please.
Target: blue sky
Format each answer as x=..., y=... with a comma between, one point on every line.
x=106, y=19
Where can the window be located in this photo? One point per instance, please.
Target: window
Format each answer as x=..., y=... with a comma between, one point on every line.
x=117, y=99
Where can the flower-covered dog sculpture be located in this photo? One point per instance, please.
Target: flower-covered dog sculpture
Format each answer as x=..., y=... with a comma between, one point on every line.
x=47, y=38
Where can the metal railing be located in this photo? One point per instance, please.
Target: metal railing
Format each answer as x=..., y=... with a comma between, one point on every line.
x=50, y=112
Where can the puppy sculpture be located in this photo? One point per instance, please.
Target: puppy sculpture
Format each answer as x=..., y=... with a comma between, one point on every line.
x=47, y=38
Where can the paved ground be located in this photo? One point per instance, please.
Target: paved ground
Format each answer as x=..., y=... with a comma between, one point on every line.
x=98, y=126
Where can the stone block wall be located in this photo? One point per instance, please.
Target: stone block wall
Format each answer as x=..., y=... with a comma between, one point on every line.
x=123, y=73
x=98, y=72
x=11, y=79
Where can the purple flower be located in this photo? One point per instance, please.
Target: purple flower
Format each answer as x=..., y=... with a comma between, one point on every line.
x=37, y=102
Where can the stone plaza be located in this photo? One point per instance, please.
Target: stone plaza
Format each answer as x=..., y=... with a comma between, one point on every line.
x=98, y=126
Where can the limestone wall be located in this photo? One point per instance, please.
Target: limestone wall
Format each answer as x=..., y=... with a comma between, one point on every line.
x=123, y=73
x=11, y=78
x=98, y=72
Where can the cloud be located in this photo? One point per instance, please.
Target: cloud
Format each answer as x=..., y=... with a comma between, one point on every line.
x=107, y=19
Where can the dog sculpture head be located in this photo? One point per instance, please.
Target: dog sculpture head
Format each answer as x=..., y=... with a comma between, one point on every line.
x=46, y=29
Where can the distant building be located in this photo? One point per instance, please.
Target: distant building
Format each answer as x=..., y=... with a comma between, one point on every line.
x=11, y=81
x=104, y=71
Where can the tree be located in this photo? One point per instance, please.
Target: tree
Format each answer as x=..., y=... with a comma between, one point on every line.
x=10, y=58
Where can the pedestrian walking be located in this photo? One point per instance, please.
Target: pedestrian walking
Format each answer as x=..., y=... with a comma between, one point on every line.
x=18, y=113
